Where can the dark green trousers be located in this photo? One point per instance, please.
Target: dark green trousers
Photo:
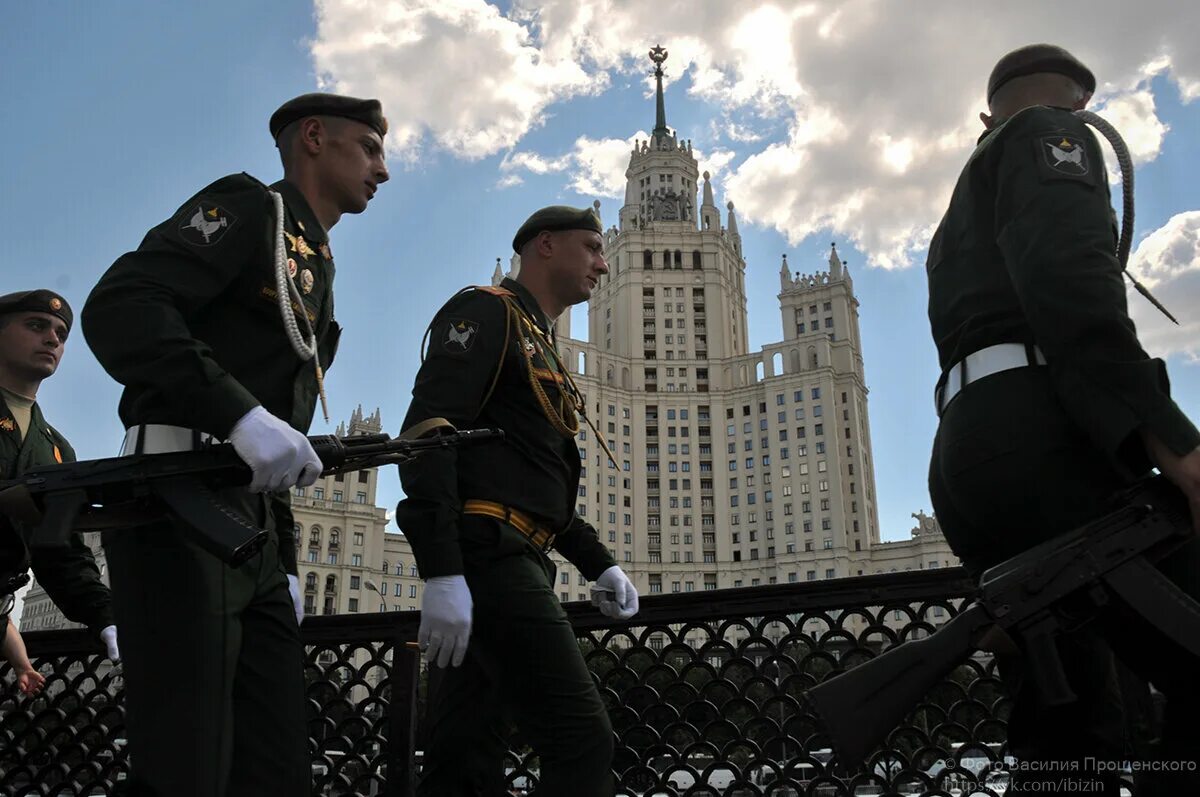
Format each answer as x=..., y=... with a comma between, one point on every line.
x=1008, y=471
x=214, y=686
x=524, y=667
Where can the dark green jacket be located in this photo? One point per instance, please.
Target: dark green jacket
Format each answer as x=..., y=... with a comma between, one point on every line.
x=189, y=323
x=534, y=469
x=1026, y=254
x=70, y=577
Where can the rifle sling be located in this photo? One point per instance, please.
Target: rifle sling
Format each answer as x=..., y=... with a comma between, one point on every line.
x=1159, y=601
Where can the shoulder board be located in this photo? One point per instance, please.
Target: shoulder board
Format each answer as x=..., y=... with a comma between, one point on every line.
x=492, y=289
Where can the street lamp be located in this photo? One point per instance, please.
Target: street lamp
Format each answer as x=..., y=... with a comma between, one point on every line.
x=371, y=585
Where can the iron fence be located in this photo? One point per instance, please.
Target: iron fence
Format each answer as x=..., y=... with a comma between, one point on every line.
x=703, y=688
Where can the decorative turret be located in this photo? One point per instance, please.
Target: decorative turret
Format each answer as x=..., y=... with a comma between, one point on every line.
x=785, y=276
x=710, y=217
x=732, y=228
x=497, y=275
x=835, y=263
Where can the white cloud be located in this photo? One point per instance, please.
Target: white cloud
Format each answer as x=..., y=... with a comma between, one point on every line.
x=878, y=99
x=1167, y=262
x=1134, y=117
x=456, y=71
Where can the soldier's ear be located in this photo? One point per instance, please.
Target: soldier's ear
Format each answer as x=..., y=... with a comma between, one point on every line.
x=312, y=133
x=988, y=121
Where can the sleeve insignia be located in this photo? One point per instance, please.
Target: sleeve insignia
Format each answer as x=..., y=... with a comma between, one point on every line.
x=205, y=224
x=460, y=335
x=1064, y=155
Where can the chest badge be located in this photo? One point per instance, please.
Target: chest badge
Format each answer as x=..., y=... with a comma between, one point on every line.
x=7, y=424
x=299, y=245
x=306, y=281
x=291, y=268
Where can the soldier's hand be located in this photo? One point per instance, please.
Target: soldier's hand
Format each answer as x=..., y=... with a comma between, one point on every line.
x=278, y=455
x=108, y=635
x=615, y=595
x=1183, y=471
x=445, y=620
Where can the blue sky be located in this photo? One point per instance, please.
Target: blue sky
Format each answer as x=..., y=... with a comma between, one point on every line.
x=845, y=123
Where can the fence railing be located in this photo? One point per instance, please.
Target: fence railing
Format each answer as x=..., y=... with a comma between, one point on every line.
x=703, y=688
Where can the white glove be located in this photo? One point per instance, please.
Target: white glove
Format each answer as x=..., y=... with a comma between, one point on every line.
x=279, y=456
x=615, y=594
x=294, y=591
x=445, y=620
x=108, y=635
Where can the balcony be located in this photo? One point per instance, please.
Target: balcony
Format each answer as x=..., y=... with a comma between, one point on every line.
x=786, y=637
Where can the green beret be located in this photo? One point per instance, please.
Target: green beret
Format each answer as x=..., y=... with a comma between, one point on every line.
x=554, y=218
x=369, y=112
x=1035, y=58
x=38, y=301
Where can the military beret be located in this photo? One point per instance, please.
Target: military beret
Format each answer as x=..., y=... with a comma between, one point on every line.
x=554, y=218
x=1035, y=58
x=369, y=112
x=37, y=301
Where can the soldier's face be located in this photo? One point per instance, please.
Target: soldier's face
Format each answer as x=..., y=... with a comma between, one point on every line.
x=31, y=345
x=353, y=164
x=580, y=263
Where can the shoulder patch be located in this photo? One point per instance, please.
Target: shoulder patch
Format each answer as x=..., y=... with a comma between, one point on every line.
x=460, y=335
x=1062, y=155
x=205, y=223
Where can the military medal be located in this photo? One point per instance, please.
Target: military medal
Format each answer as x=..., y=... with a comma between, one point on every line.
x=306, y=281
x=299, y=245
x=7, y=424
x=291, y=268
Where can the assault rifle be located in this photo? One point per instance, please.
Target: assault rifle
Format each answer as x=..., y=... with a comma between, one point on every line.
x=92, y=495
x=1027, y=595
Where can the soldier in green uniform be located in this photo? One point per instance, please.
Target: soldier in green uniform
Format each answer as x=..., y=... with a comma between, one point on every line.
x=1048, y=404
x=219, y=326
x=482, y=522
x=34, y=326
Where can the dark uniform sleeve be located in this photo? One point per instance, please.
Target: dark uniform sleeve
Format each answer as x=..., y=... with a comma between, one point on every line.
x=1053, y=226
x=465, y=345
x=581, y=545
x=135, y=318
x=71, y=577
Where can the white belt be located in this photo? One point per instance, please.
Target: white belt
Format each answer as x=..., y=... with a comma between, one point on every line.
x=985, y=362
x=159, y=438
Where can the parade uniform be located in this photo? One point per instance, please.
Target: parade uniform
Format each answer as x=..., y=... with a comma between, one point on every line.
x=492, y=513
x=1044, y=389
x=70, y=576
x=190, y=324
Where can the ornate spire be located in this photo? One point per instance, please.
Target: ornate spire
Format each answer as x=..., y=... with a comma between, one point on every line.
x=497, y=275
x=658, y=55
x=732, y=225
x=785, y=276
x=708, y=192
x=835, y=263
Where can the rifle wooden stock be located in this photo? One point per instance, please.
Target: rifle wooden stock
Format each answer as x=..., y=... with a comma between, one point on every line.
x=860, y=707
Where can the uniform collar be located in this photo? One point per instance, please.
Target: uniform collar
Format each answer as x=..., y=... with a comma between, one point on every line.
x=311, y=228
x=528, y=303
